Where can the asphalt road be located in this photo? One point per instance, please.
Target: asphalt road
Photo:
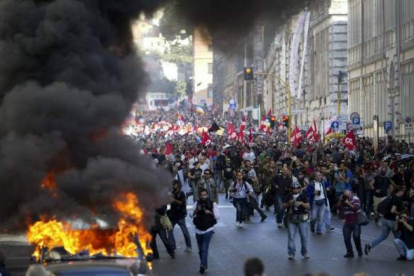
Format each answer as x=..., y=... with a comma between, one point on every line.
x=230, y=247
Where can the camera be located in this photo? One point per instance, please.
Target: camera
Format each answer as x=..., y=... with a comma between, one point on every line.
x=319, y=193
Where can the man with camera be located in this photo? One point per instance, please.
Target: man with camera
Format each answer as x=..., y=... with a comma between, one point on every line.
x=205, y=216
x=405, y=244
x=298, y=219
x=240, y=189
x=349, y=205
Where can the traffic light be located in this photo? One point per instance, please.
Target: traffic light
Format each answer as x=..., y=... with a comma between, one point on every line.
x=341, y=76
x=286, y=121
x=272, y=121
x=248, y=73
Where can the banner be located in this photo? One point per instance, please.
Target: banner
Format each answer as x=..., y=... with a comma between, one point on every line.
x=294, y=54
x=305, y=48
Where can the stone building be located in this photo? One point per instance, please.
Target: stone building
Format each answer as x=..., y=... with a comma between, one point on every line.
x=320, y=56
x=381, y=54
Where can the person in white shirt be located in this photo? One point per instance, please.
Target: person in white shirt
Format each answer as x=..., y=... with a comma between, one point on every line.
x=319, y=203
x=191, y=161
x=249, y=155
x=240, y=189
x=206, y=214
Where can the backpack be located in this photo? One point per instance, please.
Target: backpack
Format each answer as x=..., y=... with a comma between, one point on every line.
x=385, y=206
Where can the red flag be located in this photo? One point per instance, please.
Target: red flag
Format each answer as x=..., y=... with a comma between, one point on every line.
x=206, y=139
x=349, y=140
x=168, y=149
x=315, y=132
x=250, y=136
x=243, y=124
x=231, y=132
x=262, y=126
x=296, y=137
x=241, y=137
x=310, y=134
x=269, y=113
x=230, y=129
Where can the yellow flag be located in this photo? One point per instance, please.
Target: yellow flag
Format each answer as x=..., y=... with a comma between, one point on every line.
x=220, y=132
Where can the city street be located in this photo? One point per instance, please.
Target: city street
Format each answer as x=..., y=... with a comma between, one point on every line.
x=230, y=247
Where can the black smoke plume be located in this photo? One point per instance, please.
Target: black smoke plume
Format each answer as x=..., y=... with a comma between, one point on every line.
x=228, y=21
x=68, y=79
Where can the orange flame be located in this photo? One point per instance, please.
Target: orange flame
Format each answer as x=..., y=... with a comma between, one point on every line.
x=49, y=184
x=50, y=234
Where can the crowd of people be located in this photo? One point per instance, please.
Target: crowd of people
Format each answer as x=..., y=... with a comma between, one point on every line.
x=304, y=185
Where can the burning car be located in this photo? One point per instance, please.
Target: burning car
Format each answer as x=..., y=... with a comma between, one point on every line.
x=73, y=245
x=59, y=263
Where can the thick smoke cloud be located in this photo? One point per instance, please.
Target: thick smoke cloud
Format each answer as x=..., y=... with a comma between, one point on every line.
x=229, y=21
x=68, y=73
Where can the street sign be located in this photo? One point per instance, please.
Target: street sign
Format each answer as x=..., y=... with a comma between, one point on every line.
x=388, y=126
x=408, y=126
x=356, y=121
x=335, y=125
x=354, y=115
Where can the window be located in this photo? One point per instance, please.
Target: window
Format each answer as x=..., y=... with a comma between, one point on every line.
x=210, y=68
x=210, y=91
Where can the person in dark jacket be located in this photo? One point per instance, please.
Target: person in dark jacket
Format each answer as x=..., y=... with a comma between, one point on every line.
x=159, y=229
x=281, y=186
x=177, y=214
x=3, y=268
x=206, y=214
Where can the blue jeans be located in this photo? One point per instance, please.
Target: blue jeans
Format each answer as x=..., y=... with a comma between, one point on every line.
x=318, y=215
x=387, y=227
x=368, y=201
x=181, y=223
x=403, y=249
x=241, y=206
x=355, y=231
x=203, y=242
x=303, y=229
x=219, y=179
x=280, y=212
x=327, y=216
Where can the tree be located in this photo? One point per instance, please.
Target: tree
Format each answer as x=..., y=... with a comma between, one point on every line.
x=180, y=88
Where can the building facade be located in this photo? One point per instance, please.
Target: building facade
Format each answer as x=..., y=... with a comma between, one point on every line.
x=317, y=51
x=381, y=56
x=203, y=68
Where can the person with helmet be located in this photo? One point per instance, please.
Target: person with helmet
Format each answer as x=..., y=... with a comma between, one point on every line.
x=298, y=207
